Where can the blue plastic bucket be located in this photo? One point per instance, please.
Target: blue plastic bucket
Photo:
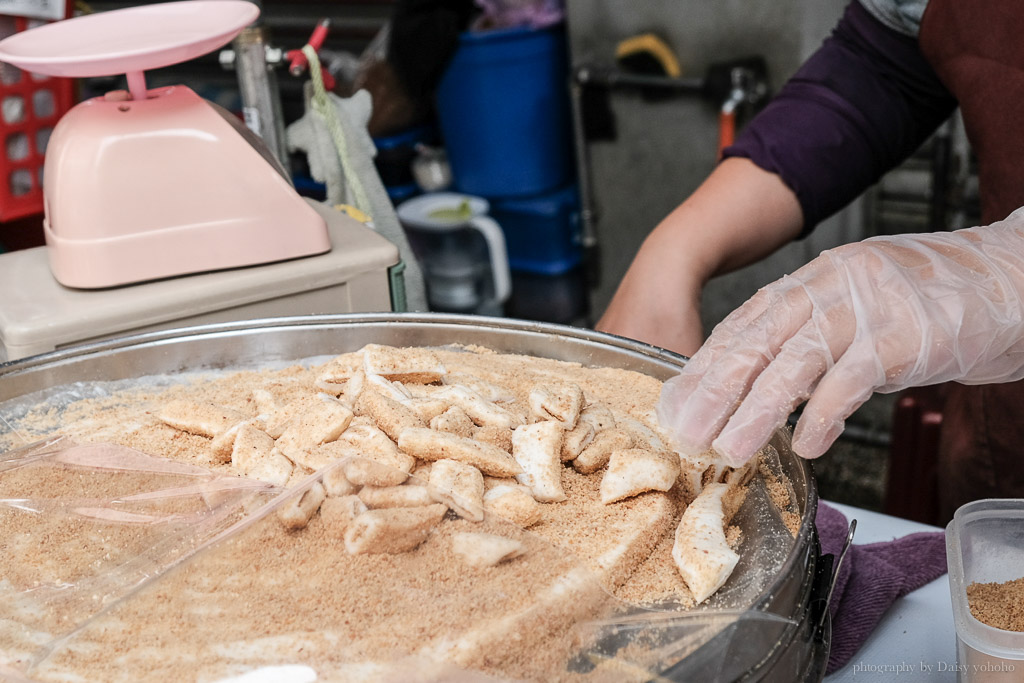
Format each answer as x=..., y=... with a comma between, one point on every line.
x=542, y=232
x=503, y=110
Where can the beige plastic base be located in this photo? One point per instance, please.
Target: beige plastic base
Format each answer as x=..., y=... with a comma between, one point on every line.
x=37, y=314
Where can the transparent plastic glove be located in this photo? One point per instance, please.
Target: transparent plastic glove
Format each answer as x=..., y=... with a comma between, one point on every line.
x=879, y=315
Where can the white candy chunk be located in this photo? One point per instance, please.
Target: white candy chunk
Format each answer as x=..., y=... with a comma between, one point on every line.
x=321, y=421
x=495, y=436
x=480, y=410
x=561, y=403
x=204, y=419
x=374, y=445
x=394, y=530
x=642, y=434
x=576, y=439
x=279, y=417
x=339, y=513
x=336, y=484
x=485, y=550
x=489, y=391
x=513, y=503
x=341, y=369
x=460, y=487
x=264, y=400
x=427, y=408
x=537, y=448
x=353, y=389
x=599, y=452
x=412, y=365
x=274, y=469
x=251, y=446
x=428, y=444
x=404, y=496
x=388, y=414
x=701, y=551
x=594, y=419
x=392, y=390
x=454, y=421
x=599, y=415
x=296, y=513
x=635, y=470
x=222, y=445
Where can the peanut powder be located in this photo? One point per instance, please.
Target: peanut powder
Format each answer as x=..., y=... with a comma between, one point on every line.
x=1000, y=605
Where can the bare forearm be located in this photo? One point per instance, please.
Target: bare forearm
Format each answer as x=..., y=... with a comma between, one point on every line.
x=739, y=215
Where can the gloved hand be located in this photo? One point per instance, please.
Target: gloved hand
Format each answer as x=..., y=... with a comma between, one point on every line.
x=879, y=315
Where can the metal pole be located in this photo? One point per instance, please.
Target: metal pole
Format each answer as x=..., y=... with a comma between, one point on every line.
x=261, y=98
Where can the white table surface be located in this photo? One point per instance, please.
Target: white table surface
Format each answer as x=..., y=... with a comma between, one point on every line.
x=916, y=639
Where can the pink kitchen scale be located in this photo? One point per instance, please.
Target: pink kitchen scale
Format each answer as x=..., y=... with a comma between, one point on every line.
x=146, y=184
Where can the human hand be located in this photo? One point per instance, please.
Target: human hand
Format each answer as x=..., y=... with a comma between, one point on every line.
x=879, y=315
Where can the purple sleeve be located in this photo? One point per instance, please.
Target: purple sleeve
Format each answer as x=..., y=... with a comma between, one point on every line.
x=859, y=106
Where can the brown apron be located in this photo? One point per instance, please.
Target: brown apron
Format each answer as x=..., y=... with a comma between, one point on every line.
x=976, y=49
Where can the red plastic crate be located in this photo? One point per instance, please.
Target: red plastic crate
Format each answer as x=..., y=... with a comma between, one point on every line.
x=30, y=106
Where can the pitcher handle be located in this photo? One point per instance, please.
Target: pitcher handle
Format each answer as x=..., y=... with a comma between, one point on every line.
x=492, y=232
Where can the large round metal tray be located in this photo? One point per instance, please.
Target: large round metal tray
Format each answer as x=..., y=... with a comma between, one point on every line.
x=796, y=650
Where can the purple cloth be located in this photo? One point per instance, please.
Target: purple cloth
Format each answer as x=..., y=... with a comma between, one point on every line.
x=872, y=578
x=859, y=106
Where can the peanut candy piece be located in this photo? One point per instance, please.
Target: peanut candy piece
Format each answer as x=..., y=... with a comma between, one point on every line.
x=427, y=408
x=636, y=470
x=537, y=448
x=412, y=365
x=336, y=484
x=576, y=439
x=203, y=419
x=223, y=444
x=372, y=443
x=701, y=551
x=339, y=513
x=428, y=444
x=454, y=421
x=513, y=503
x=393, y=390
x=561, y=403
x=485, y=550
x=594, y=419
x=341, y=369
x=296, y=513
x=274, y=469
x=489, y=391
x=322, y=421
x=392, y=530
x=460, y=487
x=405, y=496
x=596, y=455
x=388, y=414
x=495, y=436
x=480, y=410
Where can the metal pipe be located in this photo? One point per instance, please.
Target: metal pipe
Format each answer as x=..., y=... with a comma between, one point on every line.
x=588, y=233
x=610, y=77
x=257, y=84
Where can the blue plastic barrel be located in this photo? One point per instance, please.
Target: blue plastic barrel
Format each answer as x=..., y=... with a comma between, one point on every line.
x=503, y=110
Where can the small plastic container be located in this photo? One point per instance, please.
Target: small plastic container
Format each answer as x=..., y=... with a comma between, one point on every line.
x=985, y=544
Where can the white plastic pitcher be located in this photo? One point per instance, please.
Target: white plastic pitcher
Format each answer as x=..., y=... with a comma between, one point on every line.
x=461, y=250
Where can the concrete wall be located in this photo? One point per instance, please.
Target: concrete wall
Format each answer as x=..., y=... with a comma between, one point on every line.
x=665, y=149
